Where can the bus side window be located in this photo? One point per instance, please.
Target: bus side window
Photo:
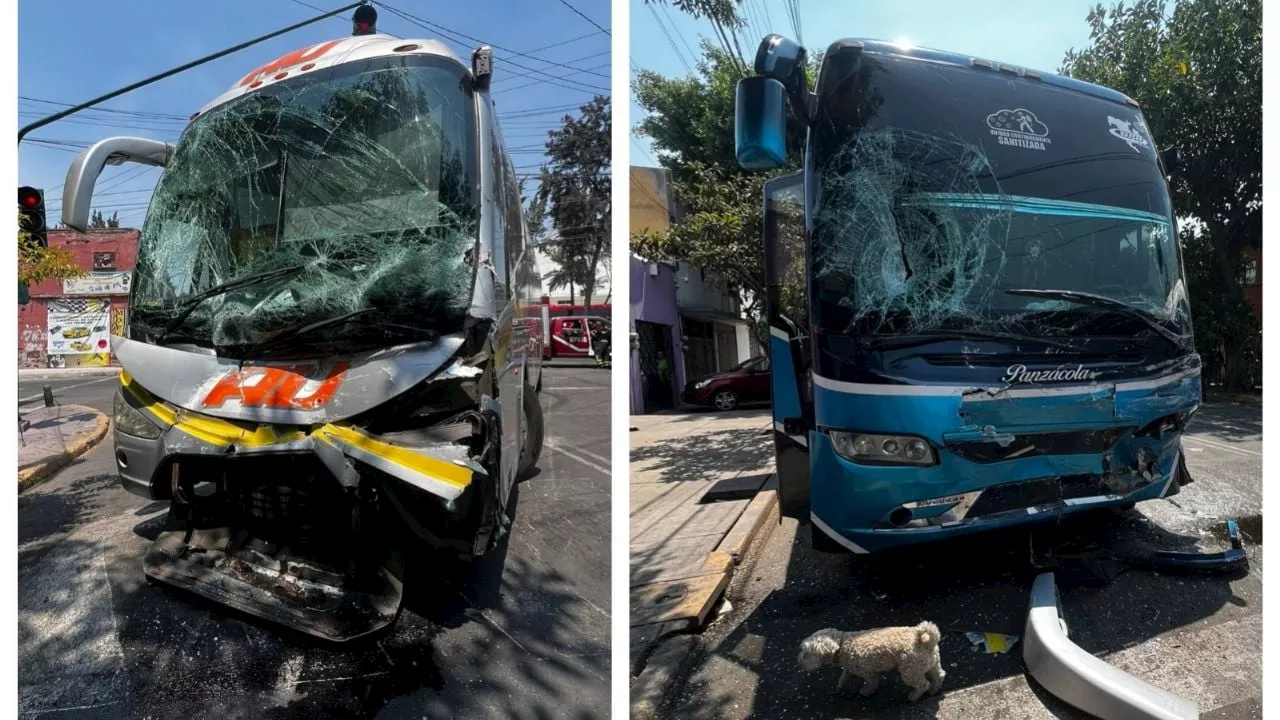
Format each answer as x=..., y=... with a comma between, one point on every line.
x=514, y=226
x=498, y=162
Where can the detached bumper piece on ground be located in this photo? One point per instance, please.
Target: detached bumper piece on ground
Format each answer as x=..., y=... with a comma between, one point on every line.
x=1081, y=679
x=1225, y=561
x=1088, y=683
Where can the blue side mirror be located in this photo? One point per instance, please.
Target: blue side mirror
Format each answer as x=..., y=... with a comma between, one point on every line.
x=778, y=57
x=760, y=123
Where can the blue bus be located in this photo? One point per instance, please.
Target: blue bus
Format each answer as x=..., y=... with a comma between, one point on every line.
x=975, y=294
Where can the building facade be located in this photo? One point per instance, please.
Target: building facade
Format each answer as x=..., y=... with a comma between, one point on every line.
x=685, y=322
x=69, y=323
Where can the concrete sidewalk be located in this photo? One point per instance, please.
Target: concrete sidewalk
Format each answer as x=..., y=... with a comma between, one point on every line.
x=66, y=373
x=57, y=436
x=696, y=502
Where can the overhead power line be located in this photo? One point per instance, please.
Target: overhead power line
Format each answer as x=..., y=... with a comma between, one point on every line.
x=584, y=17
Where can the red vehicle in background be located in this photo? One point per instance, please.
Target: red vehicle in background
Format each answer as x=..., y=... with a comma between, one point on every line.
x=568, y=332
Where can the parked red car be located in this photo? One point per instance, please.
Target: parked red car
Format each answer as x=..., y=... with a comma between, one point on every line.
x=746, y=382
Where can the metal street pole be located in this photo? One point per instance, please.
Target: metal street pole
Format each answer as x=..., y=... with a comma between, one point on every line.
x=128, y=88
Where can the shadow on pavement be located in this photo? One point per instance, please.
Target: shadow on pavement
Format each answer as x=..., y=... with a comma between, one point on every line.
x=114, y=645
x=1228, y=422
x=979, y=583
x=703, y=455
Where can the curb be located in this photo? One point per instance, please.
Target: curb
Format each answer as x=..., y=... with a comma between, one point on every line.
x=55, y=373
x=44, y=470
x=745, y=529
x=648, y=691
x=669, y=649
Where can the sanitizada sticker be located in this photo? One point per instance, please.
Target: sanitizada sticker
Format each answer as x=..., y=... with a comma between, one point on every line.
x=1126, y=131
x=1019, y=128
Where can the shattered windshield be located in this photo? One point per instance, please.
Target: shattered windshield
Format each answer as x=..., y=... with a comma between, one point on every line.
x=351, y=191
x=948, y=198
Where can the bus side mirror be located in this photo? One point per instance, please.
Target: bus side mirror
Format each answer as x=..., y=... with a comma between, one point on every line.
x=1171, y=159
x=760, y=123
x=77, y=192
x=778, y=57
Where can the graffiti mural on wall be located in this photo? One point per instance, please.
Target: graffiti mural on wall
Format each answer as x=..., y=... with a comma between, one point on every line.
x=79, y=332
x=34, y=344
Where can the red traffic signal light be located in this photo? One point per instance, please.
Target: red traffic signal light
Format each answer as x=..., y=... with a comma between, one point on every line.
x=31, y=214
x=364, y=21
x=28, y=198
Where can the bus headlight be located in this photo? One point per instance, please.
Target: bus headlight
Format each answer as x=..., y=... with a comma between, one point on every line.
x=130, y=421
x=882, y=449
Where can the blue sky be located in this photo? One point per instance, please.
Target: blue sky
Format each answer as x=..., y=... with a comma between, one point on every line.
x=1032, y=34
x=73, y=50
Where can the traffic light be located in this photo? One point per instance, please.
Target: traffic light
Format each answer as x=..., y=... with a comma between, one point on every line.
x=31, y=214
x=364, y=21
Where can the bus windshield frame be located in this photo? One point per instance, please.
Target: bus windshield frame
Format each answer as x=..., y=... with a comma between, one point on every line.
x=940, y=189
x=351, y=190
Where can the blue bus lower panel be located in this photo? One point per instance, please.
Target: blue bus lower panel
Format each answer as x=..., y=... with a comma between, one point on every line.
x=1001, y=460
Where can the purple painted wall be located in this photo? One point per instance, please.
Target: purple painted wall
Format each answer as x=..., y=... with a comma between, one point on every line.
x=653, y=299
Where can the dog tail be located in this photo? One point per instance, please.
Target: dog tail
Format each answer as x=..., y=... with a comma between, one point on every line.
x=928, y=633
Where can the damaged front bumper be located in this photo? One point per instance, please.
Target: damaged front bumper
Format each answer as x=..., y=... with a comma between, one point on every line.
x=431, y=462
x=1000, y=459
x=280, y=522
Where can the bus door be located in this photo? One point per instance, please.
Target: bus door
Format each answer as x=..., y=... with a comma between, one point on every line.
x=787, y=310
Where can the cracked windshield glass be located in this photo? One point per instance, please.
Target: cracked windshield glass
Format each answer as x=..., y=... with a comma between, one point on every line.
x=336, y=209
x=930, y=220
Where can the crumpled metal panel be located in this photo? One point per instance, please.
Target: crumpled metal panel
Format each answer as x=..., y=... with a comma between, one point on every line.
x=186, y=379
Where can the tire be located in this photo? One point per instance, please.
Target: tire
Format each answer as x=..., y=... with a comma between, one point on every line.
x=724, y=400
x=531, y=447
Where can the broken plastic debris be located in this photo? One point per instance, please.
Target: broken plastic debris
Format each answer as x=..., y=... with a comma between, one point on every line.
x=992, y=643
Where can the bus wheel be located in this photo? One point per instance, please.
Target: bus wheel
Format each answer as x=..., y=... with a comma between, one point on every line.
x=531, y=438
x=725, y=400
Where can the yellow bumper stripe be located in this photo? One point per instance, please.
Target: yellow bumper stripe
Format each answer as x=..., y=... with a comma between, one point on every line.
x=221, y=433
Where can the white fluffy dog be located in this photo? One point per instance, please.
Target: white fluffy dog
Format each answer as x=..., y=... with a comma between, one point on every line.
x=865, y=654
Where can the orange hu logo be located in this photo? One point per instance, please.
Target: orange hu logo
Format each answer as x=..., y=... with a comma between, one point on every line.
x=276, y=387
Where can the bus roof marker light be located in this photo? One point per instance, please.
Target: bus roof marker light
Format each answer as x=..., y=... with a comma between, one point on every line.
x=980, y=63
x=407, y=48
x=364, y=21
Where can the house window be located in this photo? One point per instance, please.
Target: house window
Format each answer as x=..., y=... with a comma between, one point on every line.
x=104, y=261
x=1249, y=272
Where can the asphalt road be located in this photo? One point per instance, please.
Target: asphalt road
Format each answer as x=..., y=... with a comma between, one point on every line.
x=1198, y=636
x=527, y=637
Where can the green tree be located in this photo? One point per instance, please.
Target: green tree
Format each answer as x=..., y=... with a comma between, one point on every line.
x=36, y=263
x=574, y=194
x=690, y=126
x=1197, y=73
x=99, y=221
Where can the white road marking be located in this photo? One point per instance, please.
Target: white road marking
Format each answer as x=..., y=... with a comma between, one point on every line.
x=1220, y=446
x=574, y=456
x=31, y=398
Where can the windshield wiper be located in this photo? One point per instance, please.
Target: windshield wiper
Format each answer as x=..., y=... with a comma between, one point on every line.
x=191, y=303
x=924, y=336
x=295, y=331
x=1088, y=298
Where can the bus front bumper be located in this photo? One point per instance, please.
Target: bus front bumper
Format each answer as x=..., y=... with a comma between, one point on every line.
x=868, y=509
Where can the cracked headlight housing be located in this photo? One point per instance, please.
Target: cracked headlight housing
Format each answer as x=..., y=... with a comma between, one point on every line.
x=873, y=449
x=130, y=421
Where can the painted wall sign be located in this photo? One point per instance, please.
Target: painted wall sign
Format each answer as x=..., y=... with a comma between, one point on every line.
x=79, y=327
x=98, y=283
